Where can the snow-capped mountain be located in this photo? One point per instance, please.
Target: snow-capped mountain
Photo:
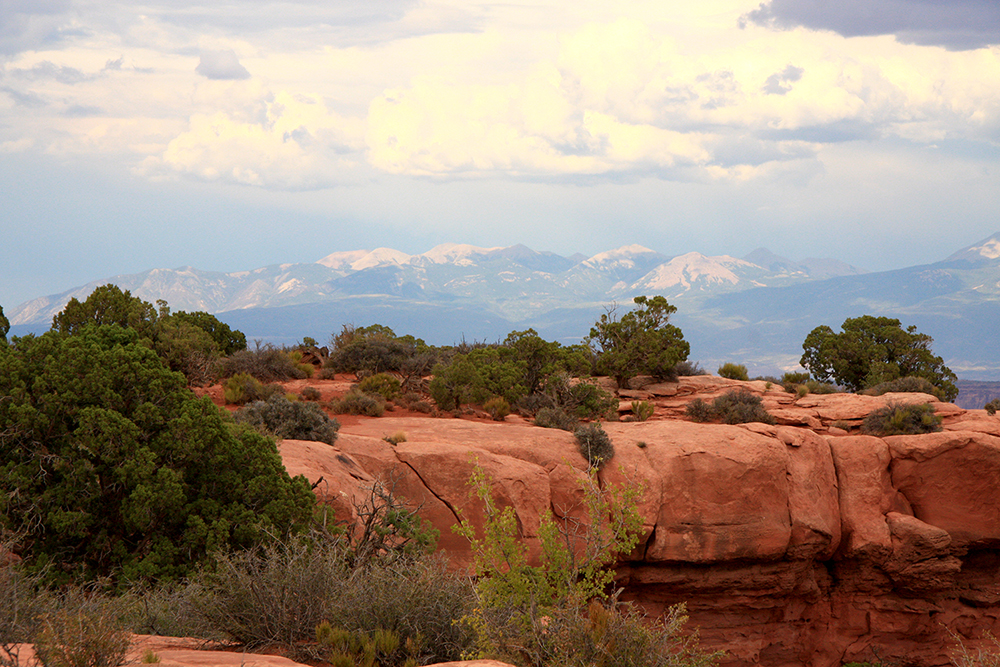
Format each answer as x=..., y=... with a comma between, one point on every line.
x=513, y=281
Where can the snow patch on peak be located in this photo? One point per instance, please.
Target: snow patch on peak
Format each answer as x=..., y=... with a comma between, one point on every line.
x=691, y=268
x=343, y=259
x=619, y=256
x=457, y=253
x=381, y=257
x=989, y=250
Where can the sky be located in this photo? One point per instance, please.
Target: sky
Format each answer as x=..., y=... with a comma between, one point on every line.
x=232, y=135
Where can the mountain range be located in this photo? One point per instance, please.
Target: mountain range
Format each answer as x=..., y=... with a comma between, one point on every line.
x=754, y=310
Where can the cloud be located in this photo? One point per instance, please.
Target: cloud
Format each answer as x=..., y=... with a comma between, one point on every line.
x=27, y=24
x=296, y=144
x=49, y=70
x=780, y=83
x=221, y=66
x=954, y=24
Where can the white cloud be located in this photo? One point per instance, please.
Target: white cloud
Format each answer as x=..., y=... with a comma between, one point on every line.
x=221, y=66
x=297, y=143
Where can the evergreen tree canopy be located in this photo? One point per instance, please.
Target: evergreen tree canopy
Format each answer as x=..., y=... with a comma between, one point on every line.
x=642, y=341
x=871, y=350
x=112, y=468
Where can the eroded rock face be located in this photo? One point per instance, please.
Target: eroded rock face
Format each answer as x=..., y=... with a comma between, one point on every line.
x=790, y=547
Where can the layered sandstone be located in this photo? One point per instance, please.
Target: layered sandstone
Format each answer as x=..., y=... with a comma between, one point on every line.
x=797, y=544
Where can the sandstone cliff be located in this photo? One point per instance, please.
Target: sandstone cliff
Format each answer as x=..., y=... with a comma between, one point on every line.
x=797, y=544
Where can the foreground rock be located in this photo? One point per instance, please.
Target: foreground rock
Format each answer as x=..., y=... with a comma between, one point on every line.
x=789, y=546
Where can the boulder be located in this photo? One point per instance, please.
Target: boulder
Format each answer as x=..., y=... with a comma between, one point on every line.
x=951, y=480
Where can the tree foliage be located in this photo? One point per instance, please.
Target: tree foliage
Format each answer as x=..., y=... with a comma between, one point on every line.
x=107, y=304
x=4, y=326
x=640, y=342
x=190, y=343
x=519, y=366
x=872, y=350
x=112, y=468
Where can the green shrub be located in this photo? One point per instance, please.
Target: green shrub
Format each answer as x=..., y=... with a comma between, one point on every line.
x=594, y=444
x=112, y=468
x=992, y=407
x=419, y=601
x=294, y=420
x=795, y=378
x=734, y=371
x=588, y=401
x=699, y=411
x=734, y=407
x=896, y=419
x=82, y=632
x=688, y=369
x=642, y=410
x=641, y=342
x=267, y=363
x=309, y=394
x=497, y=408
x=908, y=384
x=357, y=402
x=558, y=613
x=421, y=406
x=272, y=594
x=383, y=384
x=243, y=388
x=556, y=418
x=740, y=407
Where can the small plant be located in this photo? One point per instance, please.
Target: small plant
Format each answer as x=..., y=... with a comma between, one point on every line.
x=422, y=407
x=734, y=407
x=842, y=424
x=294, y=420
x=243, y=388
x=396, y=438
x=357, y=402
x=896, y=419
x=381, y=648
x=741, y=407
x=556, y=418
x=802, y=391
x=734, y=371
x=594, y=444
x=82, y=632
x=688, y=368
x=309, y=394
x=910, y=384
x=149, y=657
x=382, y=384
x=267, y=363
x=588, y=401
x=642, y=410
x=497, y=407
x=700, y=411
x=992, y=407
x=641, y=444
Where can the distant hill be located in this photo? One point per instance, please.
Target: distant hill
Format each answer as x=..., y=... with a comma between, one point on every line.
x=754, y=310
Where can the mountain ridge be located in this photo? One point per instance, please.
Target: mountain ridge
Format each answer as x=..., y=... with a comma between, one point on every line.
x=730, y=309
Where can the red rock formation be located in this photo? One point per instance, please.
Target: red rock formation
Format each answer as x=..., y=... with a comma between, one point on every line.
x=790, y=545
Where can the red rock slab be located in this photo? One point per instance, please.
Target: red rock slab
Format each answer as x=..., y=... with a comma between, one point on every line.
x=951, y=480
x=975, y=420
x=545, y=447
x=866, y=494
x=724, y=494
x=834, y=407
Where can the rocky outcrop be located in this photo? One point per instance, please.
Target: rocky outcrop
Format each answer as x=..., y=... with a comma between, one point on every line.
x=791, y=545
